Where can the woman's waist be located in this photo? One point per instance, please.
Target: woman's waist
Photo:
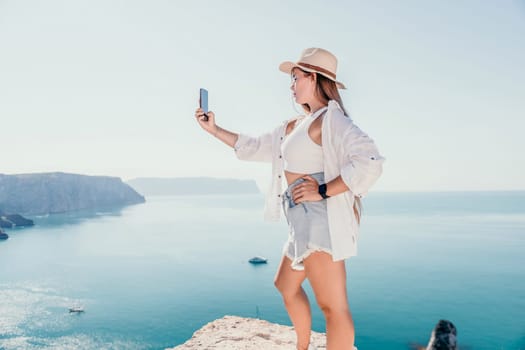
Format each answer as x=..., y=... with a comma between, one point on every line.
x=294, y=179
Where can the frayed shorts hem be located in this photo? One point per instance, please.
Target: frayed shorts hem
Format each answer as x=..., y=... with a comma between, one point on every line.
x=297, y=262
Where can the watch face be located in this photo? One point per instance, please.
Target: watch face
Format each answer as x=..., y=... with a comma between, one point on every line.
x=322, y=191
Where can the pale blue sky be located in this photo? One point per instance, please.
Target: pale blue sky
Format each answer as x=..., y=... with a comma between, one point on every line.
x=110, y=87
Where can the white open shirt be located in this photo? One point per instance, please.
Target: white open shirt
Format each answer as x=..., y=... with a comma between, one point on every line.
x=347, y=151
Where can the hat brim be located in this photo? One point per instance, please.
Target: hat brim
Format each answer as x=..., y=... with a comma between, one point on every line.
x=286, y=67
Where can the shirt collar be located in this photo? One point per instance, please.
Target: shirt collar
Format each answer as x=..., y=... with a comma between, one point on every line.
x=318, y=112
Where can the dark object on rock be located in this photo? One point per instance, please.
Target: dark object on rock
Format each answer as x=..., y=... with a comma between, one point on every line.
x=443, y=336
x=3, y=235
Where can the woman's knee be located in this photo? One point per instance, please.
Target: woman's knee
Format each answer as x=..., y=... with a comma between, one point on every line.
x=288, y=291
x=333, y=307
x=278, y=283
x=287, y=281
x=283, y=286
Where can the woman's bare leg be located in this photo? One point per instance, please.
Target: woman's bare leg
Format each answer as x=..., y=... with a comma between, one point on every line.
x=328, y=280
x=288, y=281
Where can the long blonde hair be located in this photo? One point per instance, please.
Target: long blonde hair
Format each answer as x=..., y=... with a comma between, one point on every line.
x=325, y=91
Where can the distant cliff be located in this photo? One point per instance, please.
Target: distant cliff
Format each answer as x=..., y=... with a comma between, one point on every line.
x=192, y=185
x=33, y=194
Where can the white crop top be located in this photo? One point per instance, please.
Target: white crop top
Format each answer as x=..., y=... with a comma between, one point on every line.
x=301, y=154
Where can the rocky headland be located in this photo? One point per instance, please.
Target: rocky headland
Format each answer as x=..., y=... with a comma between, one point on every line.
x=3, y=235
x=13, y=220
x=48, y=193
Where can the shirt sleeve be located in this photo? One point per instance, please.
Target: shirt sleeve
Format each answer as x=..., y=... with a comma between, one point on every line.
x=257, y=149
x=361, y=164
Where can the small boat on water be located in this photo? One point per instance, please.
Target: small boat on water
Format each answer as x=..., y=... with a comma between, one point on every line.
x=3, y=235
x=76, y=309
x=258, y=260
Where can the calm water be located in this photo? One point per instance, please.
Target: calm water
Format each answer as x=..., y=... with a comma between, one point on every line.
x=150, y=275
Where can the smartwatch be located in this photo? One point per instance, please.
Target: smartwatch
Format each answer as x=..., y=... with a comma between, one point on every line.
x=322, y=191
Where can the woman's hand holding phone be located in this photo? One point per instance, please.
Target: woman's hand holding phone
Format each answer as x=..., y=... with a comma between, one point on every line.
x=207, y=124
x=205, y=117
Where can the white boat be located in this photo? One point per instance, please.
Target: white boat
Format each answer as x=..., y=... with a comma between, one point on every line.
x=258, y=260
x=76, y=309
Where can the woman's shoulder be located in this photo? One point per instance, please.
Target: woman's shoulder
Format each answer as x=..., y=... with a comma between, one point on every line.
x=335, y=109
x=286, y=124
x=296, y=118
x=292, y=122
x=337, y=116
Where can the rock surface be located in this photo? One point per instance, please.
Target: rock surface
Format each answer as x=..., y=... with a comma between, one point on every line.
x=46, y=193
x=239, y=333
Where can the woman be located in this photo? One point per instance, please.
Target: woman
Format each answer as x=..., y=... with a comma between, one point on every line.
x=328, y=164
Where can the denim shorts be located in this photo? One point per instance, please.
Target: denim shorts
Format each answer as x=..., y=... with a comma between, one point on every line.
x=308, y=226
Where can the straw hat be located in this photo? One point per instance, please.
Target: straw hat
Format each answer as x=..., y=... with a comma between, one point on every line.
x=315, y=60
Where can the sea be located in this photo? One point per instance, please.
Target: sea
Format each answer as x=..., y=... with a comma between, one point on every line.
x=149, y=275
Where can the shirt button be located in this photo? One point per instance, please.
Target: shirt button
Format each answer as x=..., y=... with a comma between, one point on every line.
x=279, y=176
x=280, y=156
x=278, y=195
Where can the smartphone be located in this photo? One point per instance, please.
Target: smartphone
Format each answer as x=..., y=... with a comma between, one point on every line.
x=203, y=102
